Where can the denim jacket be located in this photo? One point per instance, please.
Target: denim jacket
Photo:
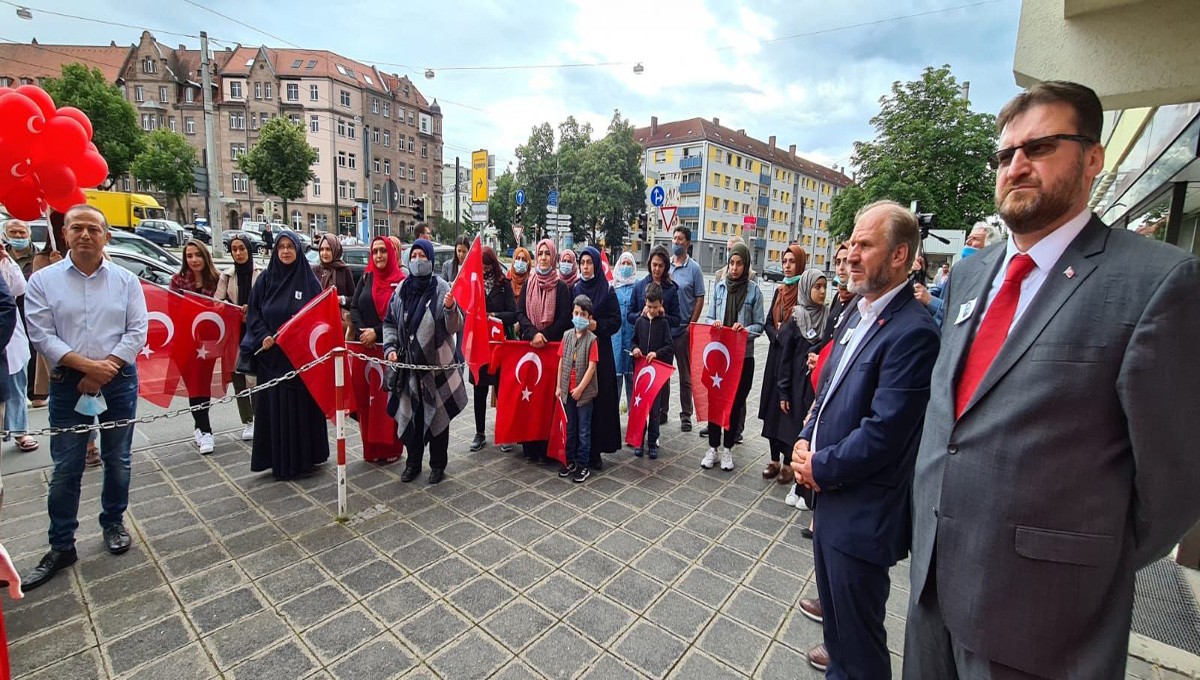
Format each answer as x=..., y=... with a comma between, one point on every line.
x=751, y=313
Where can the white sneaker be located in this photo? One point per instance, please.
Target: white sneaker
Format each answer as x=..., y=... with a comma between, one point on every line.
x=196, y=436
x=248, y=433
x=800, y=504
x=792, y=498
x=206, y=443
x=710, y=459
x=726, y=459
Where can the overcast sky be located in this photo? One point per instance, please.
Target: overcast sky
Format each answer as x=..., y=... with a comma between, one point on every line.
x=809, y=72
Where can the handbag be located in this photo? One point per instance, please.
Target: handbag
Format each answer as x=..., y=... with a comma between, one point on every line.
x=245, y=363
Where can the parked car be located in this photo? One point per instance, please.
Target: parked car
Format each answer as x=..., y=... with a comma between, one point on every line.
x=773, y=272
x=162, y=232
x=145, y=268
x=128, y=242
x=256, y=241
x=355, y=258
x=200, y=232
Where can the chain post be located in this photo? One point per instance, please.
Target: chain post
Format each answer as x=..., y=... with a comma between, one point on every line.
x=339, y=405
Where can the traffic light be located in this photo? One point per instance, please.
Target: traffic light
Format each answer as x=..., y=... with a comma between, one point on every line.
x=643, y=225
x=419, y=209
x=519, y=214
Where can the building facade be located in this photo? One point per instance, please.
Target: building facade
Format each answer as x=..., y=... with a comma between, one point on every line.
x=723, y=183
x=461, y=186
x=378, y=140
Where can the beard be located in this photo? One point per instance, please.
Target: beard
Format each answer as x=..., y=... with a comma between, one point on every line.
x=871, y=285
x=1028, y=214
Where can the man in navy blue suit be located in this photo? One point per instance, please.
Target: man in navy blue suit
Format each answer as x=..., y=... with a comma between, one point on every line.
x=859, y=446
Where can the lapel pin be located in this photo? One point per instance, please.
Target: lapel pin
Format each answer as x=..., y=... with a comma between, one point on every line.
x=1069, y=272
x=881, y=322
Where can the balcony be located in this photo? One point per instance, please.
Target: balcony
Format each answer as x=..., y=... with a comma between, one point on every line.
x=764, y=179
x=764, y=201
x=759, y=242
x=689, y=212
x=691, y=162
x=689, y=188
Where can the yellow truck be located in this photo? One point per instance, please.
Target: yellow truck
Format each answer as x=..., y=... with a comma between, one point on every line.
x=124, y=210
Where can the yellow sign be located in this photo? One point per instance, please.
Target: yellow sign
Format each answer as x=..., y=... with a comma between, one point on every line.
x=479, y=176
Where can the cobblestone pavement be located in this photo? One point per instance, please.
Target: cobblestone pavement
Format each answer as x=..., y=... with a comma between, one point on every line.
x=650, y=569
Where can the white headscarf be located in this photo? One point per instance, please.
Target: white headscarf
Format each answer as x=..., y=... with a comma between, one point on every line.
x=621, y=281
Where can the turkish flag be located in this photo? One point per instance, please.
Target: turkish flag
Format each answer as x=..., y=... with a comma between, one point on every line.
x=715, y=378
x=556, y=448
x=495, y=330
x=822, y=356
x=604, y=263
x=312, y=333
x=525, y=404
x=468, y=292
x=214, y=330
x=158, y=376
x=644, y=394
x=368, y=383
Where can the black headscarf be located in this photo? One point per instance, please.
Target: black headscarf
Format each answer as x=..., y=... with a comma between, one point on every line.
x=597, y=288
x=244, y=271
x=286, y=288
x=417, y=292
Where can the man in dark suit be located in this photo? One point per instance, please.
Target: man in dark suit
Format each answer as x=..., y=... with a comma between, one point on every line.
x=1058, y=455
x=858, y=448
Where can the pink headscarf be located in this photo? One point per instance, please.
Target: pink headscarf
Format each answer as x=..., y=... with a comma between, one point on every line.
x=540, y=289
x=569, y=256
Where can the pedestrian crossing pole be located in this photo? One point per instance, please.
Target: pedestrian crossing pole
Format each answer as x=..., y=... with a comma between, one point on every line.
x=339, y=402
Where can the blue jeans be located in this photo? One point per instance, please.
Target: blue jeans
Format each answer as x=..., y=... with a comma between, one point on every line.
x=579, y=432
x=68, y=451
x=16, y=412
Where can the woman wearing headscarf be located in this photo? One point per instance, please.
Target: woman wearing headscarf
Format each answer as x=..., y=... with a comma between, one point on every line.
x=332, y=272
x=543, y=314
x=419, y=327
x=198, y=276
x=293, y=438
x=368, y=307
x=568, y=269
x=518, y=271
x=769, y=409
x=624, y=277
x=799, y=335
x=501, y=305
x=234, y=287
x=606, y=323
x=737, y=303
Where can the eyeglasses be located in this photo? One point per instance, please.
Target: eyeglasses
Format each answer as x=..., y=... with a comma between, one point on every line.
x=1034, y=148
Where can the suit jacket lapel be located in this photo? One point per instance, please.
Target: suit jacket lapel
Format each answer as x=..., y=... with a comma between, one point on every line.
x=972, y=287
x=1055, y=291
x=903, y=297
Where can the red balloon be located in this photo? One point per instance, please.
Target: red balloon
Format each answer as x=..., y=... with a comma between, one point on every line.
x=63, y=139
x=65, y=203
x=39, y=97
x=90, y=169
x=20, y=118
x=56, y=180
x=14, y=162
x=79, y=117
x=23, y=201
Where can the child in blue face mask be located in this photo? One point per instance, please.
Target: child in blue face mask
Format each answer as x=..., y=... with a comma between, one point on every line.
x=577, y=388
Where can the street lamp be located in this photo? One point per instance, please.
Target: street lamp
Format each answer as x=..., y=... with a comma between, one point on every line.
x=429, y=74
x=638, y=69
x=24, y=13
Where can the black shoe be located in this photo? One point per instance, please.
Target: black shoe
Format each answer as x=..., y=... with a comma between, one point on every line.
x=51, y=563
x=566, y=470
x=662, y=420
x=581, y=475
x=409, y=474
x=806, y=532
x=477, y=442
x=436, y=475
x=740, y=438
x=116, y=539
x=685, y=425
x=704, y=431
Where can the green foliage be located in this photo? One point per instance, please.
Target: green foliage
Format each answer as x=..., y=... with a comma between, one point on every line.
x=841, y=213
x=929, y=147
x=167, y=162
x=117, y=134
x=501, y=205
x=280, y=163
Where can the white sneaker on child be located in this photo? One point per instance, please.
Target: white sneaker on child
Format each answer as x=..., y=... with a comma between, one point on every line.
x=206, y=443
x=248, y=433
x=726, y=459
x=710, y=459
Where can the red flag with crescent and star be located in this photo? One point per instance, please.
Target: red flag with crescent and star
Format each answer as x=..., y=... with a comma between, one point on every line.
x=649, y=377
x=209, y=332
x=158, y=376
x=525, y=403
x=312, y=333
x=556, y=448
x=716, y=354
x=468, y=291
x=368, y=382
x=495, y=331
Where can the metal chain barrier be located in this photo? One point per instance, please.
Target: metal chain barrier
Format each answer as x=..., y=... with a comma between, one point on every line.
x=80, y=429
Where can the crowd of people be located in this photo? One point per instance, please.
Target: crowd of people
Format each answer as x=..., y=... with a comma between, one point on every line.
x=1010, y=422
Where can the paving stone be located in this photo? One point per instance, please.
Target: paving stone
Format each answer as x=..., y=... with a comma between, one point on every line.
x=298, y=578
x=156, y=527
x=34, y=652
x=650, y=649
x=371, y=577
x=613, y=511
x=496, y=515
x=380, y=659
x=557, y=513
x=763, y=524
x=522, y=571
x=660, y=565
x=347, y=556
x=448, y=575
x=561, y=653
x=473, y=656
x=696, y=665
x=556, y=548
x=599, y=619
x=755, y=610
x=747, y=543
x=636, y=498
x=459, y=534
x=469, y=502
x=608, y=667
x=781, y=663
x=723, y=509
x=285, y=662
x=734, y=643
x=490, y=551
x=606, y=485
x=558, y=594
x=727, y=563
x=583, y=498
x=685, y=543
x=183, y=541
x=189, y=663
x=429, y=631
x=587, y=529
x=501, y=488
x=341, y=634
x=515, y=670
x=323, y=538
x=298, y=523
x=634, y=590
x=394, y=536
x=679, y=614
x=419, y=554
x=705, y=586
x=254, y=540
x=219, y=579
x=669, y=511
x=147, y=644
x=181, y=565
x=518, y=624
x=234, y=644
x=134, y=612
x=647, y=526
x=525, y=531
x=125, y=584
x=104, y=566
x=788, y=559
x=481, y=596
x=707, y=525
x=593, y=567
x=799, y=633
x=399, y=602
x=434, y=518
x=622, y=545
x=83, y=666
x=314, y=606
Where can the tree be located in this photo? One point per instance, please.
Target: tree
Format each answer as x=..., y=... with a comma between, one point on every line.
x=116, y=132
x=841, y=212
x=929, y=147
x=501, y=206
x=280, y=164
x=167, y=163
x=536, y=174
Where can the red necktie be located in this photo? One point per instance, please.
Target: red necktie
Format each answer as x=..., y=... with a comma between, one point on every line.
x=992, y=331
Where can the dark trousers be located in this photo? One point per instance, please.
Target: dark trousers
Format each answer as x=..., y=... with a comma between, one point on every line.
x=781, y=451
x=738, y=414
x=481, y=403
x=853, y=596
x=414, y=443
x=200, y=418
x=684, y=372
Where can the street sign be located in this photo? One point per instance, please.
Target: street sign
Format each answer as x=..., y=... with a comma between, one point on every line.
x=391, y=196
x=552, y=200
x=479, y=212
x=657, y=196
x=200, y=179
x=520, y=197
x=479, y=176
x=749, y=220
x=668, y=215
x=517, y=231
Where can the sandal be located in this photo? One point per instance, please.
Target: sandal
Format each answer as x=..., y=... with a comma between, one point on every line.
x=771, y=471
x=26, y=443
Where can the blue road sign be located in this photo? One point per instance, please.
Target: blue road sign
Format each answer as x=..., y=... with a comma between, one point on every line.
x=552, y=197
x=657, y=196
x=520, y=197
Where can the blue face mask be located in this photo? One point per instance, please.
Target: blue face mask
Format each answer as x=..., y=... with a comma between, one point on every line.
x=520, y=266
x=968, y=251
x=565, y=268
x=545, y=271
x=626, y=271
x=678, y=250
x=580, y=322
x=91, y=405
x=18, y=243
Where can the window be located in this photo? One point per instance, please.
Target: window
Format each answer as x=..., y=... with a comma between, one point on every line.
x=311, y=64
x=237, y=120
x=353, y=162
x=171, y=124
x=412, y=145
x=344, y=98
x=293, y=92
x=189, y=95
x=350, y=130
x=726, y=184
x=387, y=166
x=314, y=92
x=660, y=156
x=296, y=63
x=375, y=164
x=411, y=118
x=314, y=123
x=316, y=187
x=424, y=150
x=341, y=128
x=241, y=184
x=316, y=156
x=387, y=109
x=235, y=90
x=387, y=137
x=270, y=88
x=254, y=121
x=342, y=189
x=424, y=176
x=149, y=65
x=295, y=118
x=412, y=172
x=189, y=125
x=353, y=190
x=374, y=135
x=138, y=94
x=258, y=90
x=6, y=82
x=341, y=159
x=162, y=94
x=236, y=151
x=147, y=121
x=374, y=104
x=375, y=193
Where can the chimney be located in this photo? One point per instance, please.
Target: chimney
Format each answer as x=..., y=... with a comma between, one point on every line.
x=33, y=42
x=716, y=121
x=112, y=43
x=771, y=141
x=742, y=131
x=653, y=125
x=182, y=48
x=792, y=149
